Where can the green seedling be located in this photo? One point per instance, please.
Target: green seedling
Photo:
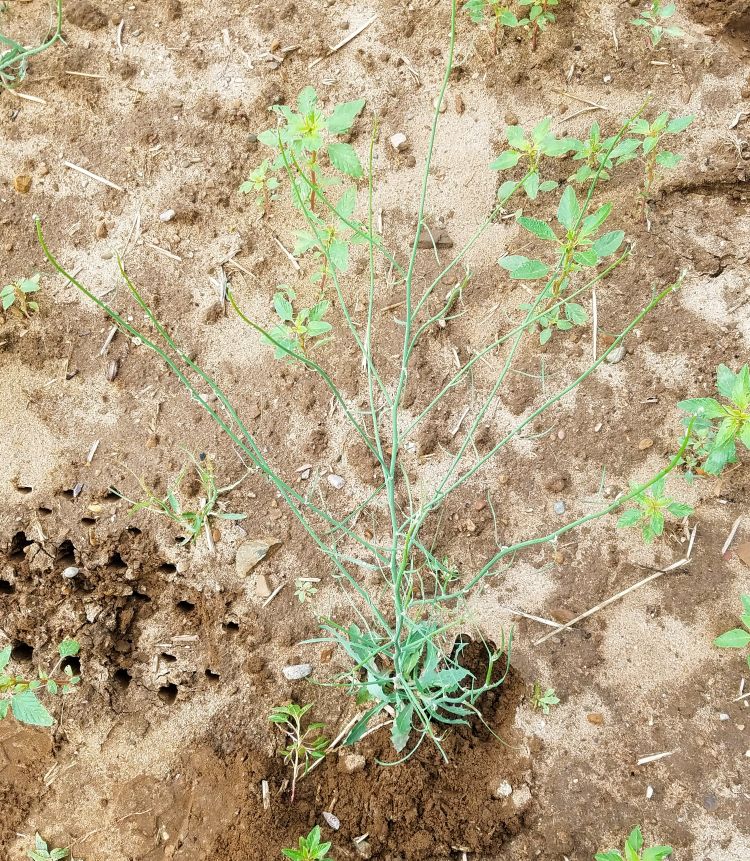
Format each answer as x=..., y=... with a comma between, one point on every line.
x=42, y=851
x=190, y=520
x=654, y=17
x=310, y=848
x=529, y=152
x=330, y=242
x=652, y=505
x=297, y=331
x=721, y=425
x=304, y=135
x=305, y=588
x=14, y=296
x=262, y=184
x=496, y=12
x=536, y=20
x=20, y=695
x=305, y=747
x=543, y=699
x=599, y=155
x=635, y=850
x=654, y=156
x=738, y=638
x=14, y=61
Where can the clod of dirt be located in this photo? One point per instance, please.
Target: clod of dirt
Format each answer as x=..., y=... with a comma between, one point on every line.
x=555, y=483
x=352, y=762
x=251, y=552
x=262, y=586
x=22, y=184
x=86, y=16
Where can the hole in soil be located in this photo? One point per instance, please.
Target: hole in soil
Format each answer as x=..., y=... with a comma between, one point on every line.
x=230, y=627
x=122, y=679
x=133, y=530
x=18, y=543
x=141, y=596
x=88, y=521
x=185, y=606
x=115, y=561
x=170, y=659
x=168, y=694
x=44, y=510
x=212, y=676
x=74, y=663
x=6, y=588
x=23, y=652
x=69, y=492
x=24, y=488
x=110, y=497
x=168, y=568
x=66, y=553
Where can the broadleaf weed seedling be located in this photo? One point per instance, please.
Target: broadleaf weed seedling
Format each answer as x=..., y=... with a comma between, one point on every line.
x=170, y=505
x=654, y=156
x=14, y=61
x=20, y=695
x=310, y=848
x=14, y=297
x=599, y=155
x=299, y=331
x=651, y=506
x=42, y=851
x=635, y=850
x=720, y=426
x=738, y=638
x=544, y=698
x=496, y=12
x=262, y=184
x=305, y=588
x=654, y=17
x=305, y=747
x=536, y=19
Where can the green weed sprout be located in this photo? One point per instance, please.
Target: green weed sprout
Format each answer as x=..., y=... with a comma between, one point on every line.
x=654, y=17
x=15, y=296
x=537, y=18
x=310, y=848
x=738, y=638
x=42, y=852
x=304, y=748
x=529, y=152
x=297, y=331
x=305, y=588
x=170, y=506
x=305, y=134
x=599, y=155
x=635, y=851
x=543, y=699
x=579, y=247
x=652, y=505
x=406, y=648
x=720, y=425
x=14, y=62
x=20, y=695
x=495, y=11
x=654, y=156
x=261, y=184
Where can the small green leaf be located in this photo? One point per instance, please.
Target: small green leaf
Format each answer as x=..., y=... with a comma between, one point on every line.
x=544, y=336
x=505, y=160
x=568, y=211
x=68, y=648
x=530, y=270
x=608, y=243
x=306, y=100
x=679, y=124
x=531, y=185
x=576, y=313
x=27, y=709
x=680, y=509
x=737, y=638
x=5, y=657
x=283, y=307
x=537, y=227
x=402, y=727
x=668, y=160
x=707, y=407
x=343, y=116
x=630, y=517
x=344, y=158
x=506, y=190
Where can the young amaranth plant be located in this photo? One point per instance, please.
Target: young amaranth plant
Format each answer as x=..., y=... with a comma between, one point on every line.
x=495, y=12
x=654, y=17
x=15, y=296
x=43, y=852
x=654, y=157
x=14, y=60
x=310, y=848
x=738, y=638
x=19, y=694
x=537, y=18
x=305, y=747
x=405, y=653
x=651, y=506
x=635, y=850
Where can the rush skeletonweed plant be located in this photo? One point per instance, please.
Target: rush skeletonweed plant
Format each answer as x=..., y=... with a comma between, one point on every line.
x=654, y=17
x=19, y=695
x=635, y=850
x=720, y=426
x=305, y=746
x=298, y=331
x=738, y=638
x=15, y=296
x=14, y=61
x=310, y=848
x=652, y=505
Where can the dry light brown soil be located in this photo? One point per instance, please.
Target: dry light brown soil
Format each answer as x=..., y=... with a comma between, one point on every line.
x=162, y=751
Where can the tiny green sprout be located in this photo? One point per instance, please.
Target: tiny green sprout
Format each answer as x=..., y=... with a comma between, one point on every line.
x=20, y=695
x=15, y=296
x=170, y=506
x=537, y=19
x=494, y=11
x=543, y=699
x=655, y=157
x=654, y=17
x=599, y=155
x=261, y=185
x=297, y=331
x=303, y=135
x=738, y=638
x=635, y=850
x=652, y=505
x=310, y=848
x=305, y=588
x=42, y=851
x=305, y=747
x=330, y=242
x=721, y=425
x=529, y=152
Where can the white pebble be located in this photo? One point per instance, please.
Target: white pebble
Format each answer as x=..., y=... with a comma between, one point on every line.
x=336, y=481
x=167, y=215
x=398, y=141
x=332, y=820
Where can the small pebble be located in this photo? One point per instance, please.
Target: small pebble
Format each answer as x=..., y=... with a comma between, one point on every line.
x=22, y=184
x=723, y=716
x=398, y=141
x=645, y=443
x=352, y=763
x=332, y=820
x=559, y=507
x=617, y=355
x=710, y=802
x=649, y=793
x=70, y=572
x=262, y=586
x=596, y=718
x=295, y=672
x=460, y=106
x=336, y=481
x=505, y=790
x=167, y=215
